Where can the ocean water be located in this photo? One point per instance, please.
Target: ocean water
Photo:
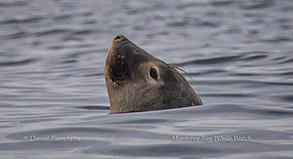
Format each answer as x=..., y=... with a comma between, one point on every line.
x=238, y=54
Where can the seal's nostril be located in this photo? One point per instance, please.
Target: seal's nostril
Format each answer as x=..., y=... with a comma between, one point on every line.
x=117, y=37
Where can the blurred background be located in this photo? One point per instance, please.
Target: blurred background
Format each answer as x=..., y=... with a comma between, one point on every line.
x=52, y=56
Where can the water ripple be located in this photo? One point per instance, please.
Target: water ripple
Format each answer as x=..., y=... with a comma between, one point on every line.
x=18, y=63
x=13, y=4
x=212, y=60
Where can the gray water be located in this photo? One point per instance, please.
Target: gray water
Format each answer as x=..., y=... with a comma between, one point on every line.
x=239, y=55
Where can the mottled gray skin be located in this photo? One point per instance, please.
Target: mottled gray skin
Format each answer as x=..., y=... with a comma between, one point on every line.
x=132, y=88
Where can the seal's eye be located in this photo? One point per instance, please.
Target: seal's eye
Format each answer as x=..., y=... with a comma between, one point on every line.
x=154, y=73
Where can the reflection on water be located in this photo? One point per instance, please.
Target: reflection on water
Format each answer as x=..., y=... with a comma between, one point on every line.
x=238, y=54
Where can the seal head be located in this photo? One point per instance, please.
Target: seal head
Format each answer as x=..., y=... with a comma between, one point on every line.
x=137, y=81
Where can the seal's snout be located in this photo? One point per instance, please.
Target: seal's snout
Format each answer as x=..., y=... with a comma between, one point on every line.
x=117, y=37
x=117, y=66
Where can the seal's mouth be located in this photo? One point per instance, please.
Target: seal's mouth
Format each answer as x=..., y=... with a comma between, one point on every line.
x=118, y=64
x=118, y=69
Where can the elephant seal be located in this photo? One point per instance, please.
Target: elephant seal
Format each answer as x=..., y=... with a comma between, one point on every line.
x=137, y=81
